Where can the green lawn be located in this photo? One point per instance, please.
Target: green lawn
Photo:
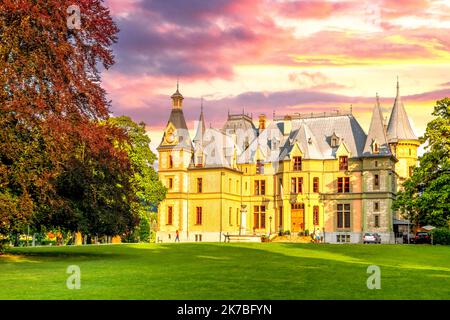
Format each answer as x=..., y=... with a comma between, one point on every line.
x=227, y=271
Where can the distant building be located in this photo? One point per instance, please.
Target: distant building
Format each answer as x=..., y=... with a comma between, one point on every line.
x=297, y=173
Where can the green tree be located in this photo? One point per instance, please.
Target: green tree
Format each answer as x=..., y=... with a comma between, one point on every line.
x=149, y=189
x=426, y=195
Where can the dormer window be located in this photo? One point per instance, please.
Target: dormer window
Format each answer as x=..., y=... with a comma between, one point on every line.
x=297, y=163
x=275, y=143
x=199, y=162
x=343, y=163
x=375, y=147
x=334, y=140
x=259, y=167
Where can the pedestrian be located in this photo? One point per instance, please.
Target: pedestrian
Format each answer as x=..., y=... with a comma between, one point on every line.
x=177, y=238
x=318, y=236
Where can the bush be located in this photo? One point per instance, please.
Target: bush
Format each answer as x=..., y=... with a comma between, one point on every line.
x=441, y=236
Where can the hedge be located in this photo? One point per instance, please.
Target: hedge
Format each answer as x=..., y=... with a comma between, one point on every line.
x=441, y=236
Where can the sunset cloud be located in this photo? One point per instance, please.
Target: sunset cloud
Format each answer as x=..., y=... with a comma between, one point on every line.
x=282, y=55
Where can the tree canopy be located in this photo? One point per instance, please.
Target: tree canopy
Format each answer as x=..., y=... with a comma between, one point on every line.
x=426, y=195
x=61, y=163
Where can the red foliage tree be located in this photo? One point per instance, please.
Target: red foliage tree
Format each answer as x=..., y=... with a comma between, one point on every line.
x=50, y=96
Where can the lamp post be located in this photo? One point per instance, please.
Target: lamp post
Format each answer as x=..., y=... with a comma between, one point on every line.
x=293, y=228
x=270, y=225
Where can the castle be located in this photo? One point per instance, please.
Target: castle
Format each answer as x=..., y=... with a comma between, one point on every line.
x=297, y=173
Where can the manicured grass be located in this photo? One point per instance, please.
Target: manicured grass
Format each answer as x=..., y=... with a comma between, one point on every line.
x=227, y=271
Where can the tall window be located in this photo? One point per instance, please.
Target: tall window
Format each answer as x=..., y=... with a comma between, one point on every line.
x=377, y=221
x=343, y=163
x=315, y=184
x=316, y=215
x=280, y=186
x=199, y=185
x=170, y=183
x=170, y=161
x=297, y=163
x=343, y=215
x=411, y=170
x=376, y=206
x=259, y=217
x=376, y=181
x=169, y=215
x=259, y=167
x=199, y=161
x=260, y=187
x=237, y=186
x=230, y=218
x=198, y=216
x=297, y=185
x=343, y=184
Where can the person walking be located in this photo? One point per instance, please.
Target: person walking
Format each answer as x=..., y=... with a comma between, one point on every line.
x=177, y=238
x=318, y=236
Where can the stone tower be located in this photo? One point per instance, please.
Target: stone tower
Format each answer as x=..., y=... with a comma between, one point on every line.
x=175, y=154
x=379, y=181
x=402, y=140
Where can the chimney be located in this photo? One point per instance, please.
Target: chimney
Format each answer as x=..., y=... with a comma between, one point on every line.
x=262, y=122
x=287, y=125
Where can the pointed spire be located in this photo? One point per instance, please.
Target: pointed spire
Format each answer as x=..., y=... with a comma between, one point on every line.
x=376, y=141
x=201, y=125
x=399, y=127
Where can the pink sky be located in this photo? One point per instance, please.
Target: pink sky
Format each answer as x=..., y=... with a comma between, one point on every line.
x=277, y=56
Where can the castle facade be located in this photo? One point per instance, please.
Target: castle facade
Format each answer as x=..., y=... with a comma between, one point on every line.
x=296, y=173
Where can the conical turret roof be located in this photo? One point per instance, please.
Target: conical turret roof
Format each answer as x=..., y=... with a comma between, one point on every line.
x=399, y=127
x=376, y=141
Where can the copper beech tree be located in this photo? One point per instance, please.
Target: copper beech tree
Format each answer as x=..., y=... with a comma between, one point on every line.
x=51, y=106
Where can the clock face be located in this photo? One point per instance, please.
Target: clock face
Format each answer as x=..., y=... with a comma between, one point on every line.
x=170, y=136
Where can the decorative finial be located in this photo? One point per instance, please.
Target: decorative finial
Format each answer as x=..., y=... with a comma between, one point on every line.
x=178, y=82
x=351, y=109
x=201, y=104
x=273, y=114
x=398, y=87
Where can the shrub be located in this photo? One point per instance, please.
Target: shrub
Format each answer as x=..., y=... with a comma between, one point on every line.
x=441, y=236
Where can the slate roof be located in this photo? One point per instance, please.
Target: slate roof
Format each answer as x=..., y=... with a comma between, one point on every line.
x=177, y=119
x=218, y=148
x=313, y=135
x=242, y=126
x=399, y=127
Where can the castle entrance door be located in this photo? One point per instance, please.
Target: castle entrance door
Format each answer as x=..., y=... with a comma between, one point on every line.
x=297, y=217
